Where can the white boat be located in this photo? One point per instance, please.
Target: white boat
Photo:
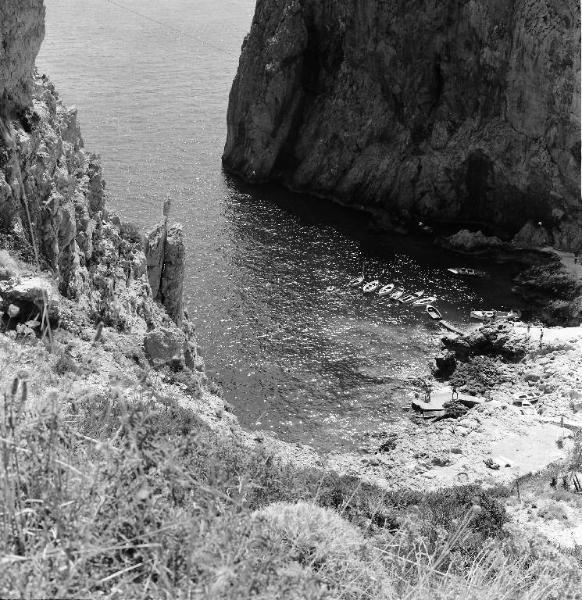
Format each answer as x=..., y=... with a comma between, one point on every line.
x=411, y=297
x=433, y=312
x=357, y=281
x=424, y=301
x=466, y=272
x=385, y=290
x=398, y=293
x=371, y=286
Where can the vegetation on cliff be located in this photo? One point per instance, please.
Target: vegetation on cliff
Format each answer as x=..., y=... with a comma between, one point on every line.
x=106, y=494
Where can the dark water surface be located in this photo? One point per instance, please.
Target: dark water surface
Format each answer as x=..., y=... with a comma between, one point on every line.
x=315, y=364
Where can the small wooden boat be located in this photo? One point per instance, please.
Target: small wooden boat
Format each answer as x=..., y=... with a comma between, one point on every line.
x=385, y=290
x=398, y=293
x=424, y=301
x=433, y=312
x=357, y=281
x=411, y=297
x=371, y=286
x=466, y=272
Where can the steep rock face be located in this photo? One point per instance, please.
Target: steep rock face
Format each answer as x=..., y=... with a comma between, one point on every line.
x=165, y=255
x=460, y=110
x=53, y=213
x=21, y=34
x=52, y=196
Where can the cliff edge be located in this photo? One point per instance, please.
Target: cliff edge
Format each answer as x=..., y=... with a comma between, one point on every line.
x=456, y=111
x=21, y=34
x=70, y=270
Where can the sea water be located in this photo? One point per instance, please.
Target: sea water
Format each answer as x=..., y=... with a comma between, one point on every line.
x=295, y=350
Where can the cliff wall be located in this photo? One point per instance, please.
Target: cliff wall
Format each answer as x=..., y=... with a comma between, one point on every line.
x=450, y=111
x=21, y=34
x=84, y=265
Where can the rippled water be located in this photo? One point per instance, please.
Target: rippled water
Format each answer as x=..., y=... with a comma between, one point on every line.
x=315, y=364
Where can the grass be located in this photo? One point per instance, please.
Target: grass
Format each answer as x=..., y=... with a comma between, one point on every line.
x=103, y=497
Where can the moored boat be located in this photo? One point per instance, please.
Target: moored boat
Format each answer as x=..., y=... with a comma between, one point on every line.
x=466, y=272
x=433, y=312
x=411, y=297
x=357, y=281
x=371, y=286
x=396, y=294
x=424, y=301
x=387, y=289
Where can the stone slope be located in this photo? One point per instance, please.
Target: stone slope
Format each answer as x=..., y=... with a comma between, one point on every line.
x=461, y=110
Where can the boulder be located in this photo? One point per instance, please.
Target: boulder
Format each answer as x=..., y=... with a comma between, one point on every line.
x=446, y=363
x=165, y=346
x=532, y=236
x=472, y=241
x=32, y=295
x=8, y=266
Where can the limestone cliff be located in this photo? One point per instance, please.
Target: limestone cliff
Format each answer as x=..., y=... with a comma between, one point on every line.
x=88, y=265
x=451, y=111
x=21, y=34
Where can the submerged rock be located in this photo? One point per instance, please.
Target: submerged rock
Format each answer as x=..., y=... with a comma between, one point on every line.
x=441, y=111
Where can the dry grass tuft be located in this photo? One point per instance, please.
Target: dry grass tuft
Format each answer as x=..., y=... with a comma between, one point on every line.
x=110, y=498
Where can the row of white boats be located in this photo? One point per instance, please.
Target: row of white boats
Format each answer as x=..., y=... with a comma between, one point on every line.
x=398, y=294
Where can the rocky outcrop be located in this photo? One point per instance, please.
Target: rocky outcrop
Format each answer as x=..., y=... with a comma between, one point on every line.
x=453, y=111
x=555, y=289
x=165, y=253
x=21, y=34
x=52, y=201
x=81, y=265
